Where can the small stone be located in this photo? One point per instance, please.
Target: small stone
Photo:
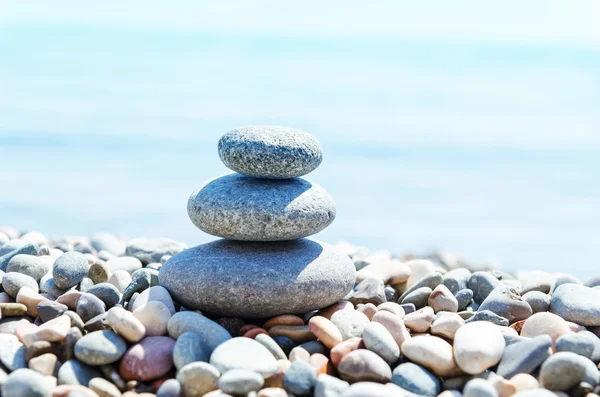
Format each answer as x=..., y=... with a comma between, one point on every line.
x=391, y=307
x=68, y=348
x=479, y=388
x=271, y=345
x=104, y=388
x=273, y=152
x=329, y=386
x=44, y=364
x=577, y=303
x=212, y=334
x=98, y=273
x=524, y=382
x=419, y=268
x=140, y=280
x=545, y=324
x=418, y=297
x=12, y=352
x=154, y=316
x=447, y=325
x=487, y=316
x=341, y=350
x=464, y=298
x=457, y=279
x=297, y=333
x=25, y=383
x=69, y=269
x=525, y=356
x=379, y=340
x=240, y=381
x=351, y=323
x=421, y=320
x=394, y=325
x=482, y=284
x=198, y=378
x=535, y=281
x=120, y=279
x=100, y=348
x=155, y=294
x=433, y=353
x=47, y=310
x=33, y=266
x=243, y=353
x=125, y=263
x=539, y=301
x=271, y=392
x=12, y=309
x=54, y=330
x=370, y=290
x=441, y=299
x=389, y=272
x=15, y=248
x=579, y=343
x=89, y=306
x=431, y=281
x=284, y=319
x=149, y=359
x=562, y=370
x=149, y=250
x=85, y=284
x=364, y=365
x=74, y=372
x=125, y=324
x=300, y=379
x=48, y=286
x=506, y=302
x=368, y=309
x=325, y=331
x=408, y=308
x=170, y=388
x=416, y=379
x=13, y=282
x=97, y=323
x=478, y=346
x=189, y=348
x=108, y=293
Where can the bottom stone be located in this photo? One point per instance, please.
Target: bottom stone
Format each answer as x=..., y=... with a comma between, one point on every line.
x=250, y=280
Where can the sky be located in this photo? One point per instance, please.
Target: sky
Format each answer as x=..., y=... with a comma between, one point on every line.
x=461, y=126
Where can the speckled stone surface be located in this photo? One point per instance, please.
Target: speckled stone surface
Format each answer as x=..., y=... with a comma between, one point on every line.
x=245, y=279
x=577, y=303
x=270, y=151
x=249, y=209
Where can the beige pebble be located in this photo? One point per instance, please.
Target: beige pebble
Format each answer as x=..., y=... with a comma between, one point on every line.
x=389, y=271
x=299, y=353
x=125, y=324
x=154, y=315
x=442, y=299
x=54, y=330
x=328, y=311
x=432, y=352
x=70, y=299
x=505, y=388
x=419, y=321
x=104, y=388
x=525, y=382
x=447, y=325
x=368, y=309
x=120, y=279
x=325, y=331
x=394, y=325
x=98, y=273
x=478, y=346
x=272, y=392
x=45, y=364
x=276, y=380
x=391, y=307
x=545, y=323
x=30, y=299
x=284, y=319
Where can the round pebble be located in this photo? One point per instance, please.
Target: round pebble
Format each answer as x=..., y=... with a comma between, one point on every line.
x=125, y=324
x=240, y=381
x=243, y=353
x=25, y=383
x=69, y=269
x=106, y=292
x=198, y=378
x=379, y=340
x=562, y=370
x=300, y=379
x=364, y=366
x=416, y=379
x=545, y=324
x=33, y=266
x=190, y=348
x=538, y=301
x=100, y=348
x=350, y=323
x=478, y=346
x=431, y=352
x=13, y=282
x=149, y=359
x=154, y=316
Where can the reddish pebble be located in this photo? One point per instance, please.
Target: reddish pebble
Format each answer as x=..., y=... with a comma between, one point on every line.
x=149, y=359
x=347, y=346
x=284, y=319
x=325, y=331
x=253, y=332
x=247, y=327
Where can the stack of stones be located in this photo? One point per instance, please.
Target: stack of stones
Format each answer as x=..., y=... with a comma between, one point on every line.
x=264, y=265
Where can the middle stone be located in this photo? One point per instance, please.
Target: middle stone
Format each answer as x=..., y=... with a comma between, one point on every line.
x=250, y=209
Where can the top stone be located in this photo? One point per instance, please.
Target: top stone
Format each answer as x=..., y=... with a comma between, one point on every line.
x=271, y=152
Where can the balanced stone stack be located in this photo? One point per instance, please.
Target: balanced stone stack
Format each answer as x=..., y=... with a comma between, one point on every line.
x=264, y=265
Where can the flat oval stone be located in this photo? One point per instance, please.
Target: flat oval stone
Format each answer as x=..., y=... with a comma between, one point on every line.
x=74, y=372
x=433, y=353
x=416, y=379
x=246, y=279
x=190, y=348
x=13, y=282
x=31, y=265
x=264, y=151
x=69, y=269
x=240, y=381
x=577, y=303
x=150, y=250
x=243, y=353
x=562, y=370
x=211, y=333
x=247, y=209
x=364, y=366
x=149, y=359
x=525, y=356
x=380, y=341
x=100, y=347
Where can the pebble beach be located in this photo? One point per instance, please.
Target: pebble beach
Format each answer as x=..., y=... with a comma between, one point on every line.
x=266, y=310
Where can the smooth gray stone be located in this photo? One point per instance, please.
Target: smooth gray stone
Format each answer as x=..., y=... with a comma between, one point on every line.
x=211, y=333
x=564, y=279
x=127, y=263
x=240, y=382
x=479, y=388
x=537, y=300
x=300, y=379
x=13, y=282
x=389, y=293
x=525, y=356
x=506, y=302
x=271, y=345
x=11, y=245
x=106, y=292
x=74, y=372
x=249, y=280
x=30, y=265
x=487, y=315
x=370, y=290
x=457, y=279
x=482, y=284
x=108, y=242
x=416, y=379
x=249, y=209
x=243, y=353
x=48, y=310
x=69, y=269
x=330, y=386
x=100, y=348
x=379, y=340
x=153, y=273
x=464, y=298
x=512, y=339
x=563, y=370
x=577, y=303
x=28, y=249
x=140, y=281
x=48, y=286
x=12, y=352
x=583, y=345
x=25, y=383
x=418, y=297
x=431, y=280
x=170, y=388
x=89, y=306
x=265, y=151
x=408, y=308
x=596, y=354
x=190, y=348
x=149, y=250
x=536, y=280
